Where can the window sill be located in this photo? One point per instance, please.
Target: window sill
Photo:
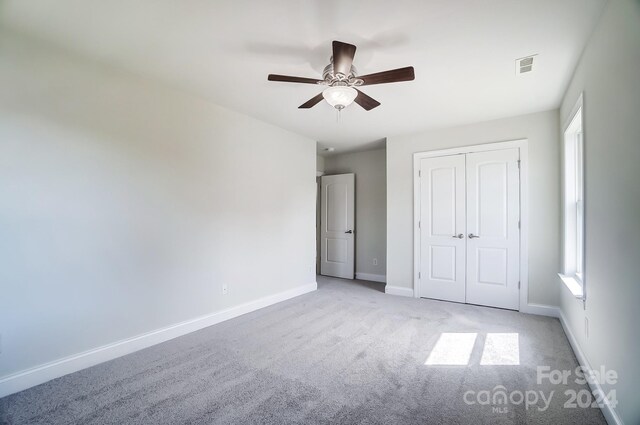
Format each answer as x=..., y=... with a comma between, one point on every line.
x=573, y=285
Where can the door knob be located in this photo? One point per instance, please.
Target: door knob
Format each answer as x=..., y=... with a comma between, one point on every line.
x=459, y=236
x=472, y=236
x=349, y=231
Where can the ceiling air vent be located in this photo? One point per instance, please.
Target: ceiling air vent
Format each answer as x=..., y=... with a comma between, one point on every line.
x=524, y=65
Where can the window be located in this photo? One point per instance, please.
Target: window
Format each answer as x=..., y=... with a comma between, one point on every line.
x=573, y=197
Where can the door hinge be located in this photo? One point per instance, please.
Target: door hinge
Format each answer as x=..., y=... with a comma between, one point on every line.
x=419, y=173
x=518, y=163
x=419, y=275
x=518, y=224
x=518, y=285
x=419, y=225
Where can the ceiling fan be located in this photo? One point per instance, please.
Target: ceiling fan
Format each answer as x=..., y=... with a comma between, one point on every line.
x=342, y=79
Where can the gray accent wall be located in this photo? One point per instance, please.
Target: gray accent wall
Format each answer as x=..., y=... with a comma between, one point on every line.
x=319, y=164
x=371, y=208
x=609, y=76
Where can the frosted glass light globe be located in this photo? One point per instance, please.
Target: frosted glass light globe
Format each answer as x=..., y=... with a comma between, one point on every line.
x=340, y=96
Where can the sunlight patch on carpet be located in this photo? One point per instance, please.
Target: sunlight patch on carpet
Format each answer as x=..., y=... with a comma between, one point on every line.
x=452, y=349
x=501, y=349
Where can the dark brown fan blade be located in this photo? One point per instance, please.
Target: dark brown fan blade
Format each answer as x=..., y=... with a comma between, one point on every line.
x=368, y=103
x=343, y=54
x=288, y=79
x=311, y=102
x=393, y=76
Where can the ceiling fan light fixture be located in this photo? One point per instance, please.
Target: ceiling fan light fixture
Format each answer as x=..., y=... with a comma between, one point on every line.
x=340, y=76
x=340, y=96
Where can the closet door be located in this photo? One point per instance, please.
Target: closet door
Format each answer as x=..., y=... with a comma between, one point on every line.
x=493, y=234
x=442, y=228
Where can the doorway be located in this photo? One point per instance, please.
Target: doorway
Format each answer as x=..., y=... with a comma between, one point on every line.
x=468, y=235
x=337, y=225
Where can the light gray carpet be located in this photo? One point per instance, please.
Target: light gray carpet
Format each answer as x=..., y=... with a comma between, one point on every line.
x=345, y=354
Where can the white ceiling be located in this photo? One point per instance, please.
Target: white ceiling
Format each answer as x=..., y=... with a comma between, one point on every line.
x=463, y=53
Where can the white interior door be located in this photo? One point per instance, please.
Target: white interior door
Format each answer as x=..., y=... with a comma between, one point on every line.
x=337, y=226
x=442, y=228
x=493, y=238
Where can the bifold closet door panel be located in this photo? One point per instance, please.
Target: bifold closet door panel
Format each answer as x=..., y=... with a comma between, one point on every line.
x=442, y=228
x=492, y=223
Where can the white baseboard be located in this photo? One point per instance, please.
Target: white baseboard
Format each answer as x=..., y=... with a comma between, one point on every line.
x=398, y=290
x=28, y=378
x=541, y=310
x=371, y=277
x=545, y=310
x=607, y=410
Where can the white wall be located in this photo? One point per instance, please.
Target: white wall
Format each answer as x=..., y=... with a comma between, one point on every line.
x=609, y=76
x=125, y=205
x=371, y=205
x=542, y=131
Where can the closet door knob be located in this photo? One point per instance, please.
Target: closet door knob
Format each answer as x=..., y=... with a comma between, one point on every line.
x=472, y=236
x=459, y=236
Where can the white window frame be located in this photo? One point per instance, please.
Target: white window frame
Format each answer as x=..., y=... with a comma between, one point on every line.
x=573, y=202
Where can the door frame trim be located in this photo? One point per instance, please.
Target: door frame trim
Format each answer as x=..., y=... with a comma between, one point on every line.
x=522, y=146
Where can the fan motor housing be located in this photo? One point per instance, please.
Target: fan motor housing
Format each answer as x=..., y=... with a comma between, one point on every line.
x=331, y=78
